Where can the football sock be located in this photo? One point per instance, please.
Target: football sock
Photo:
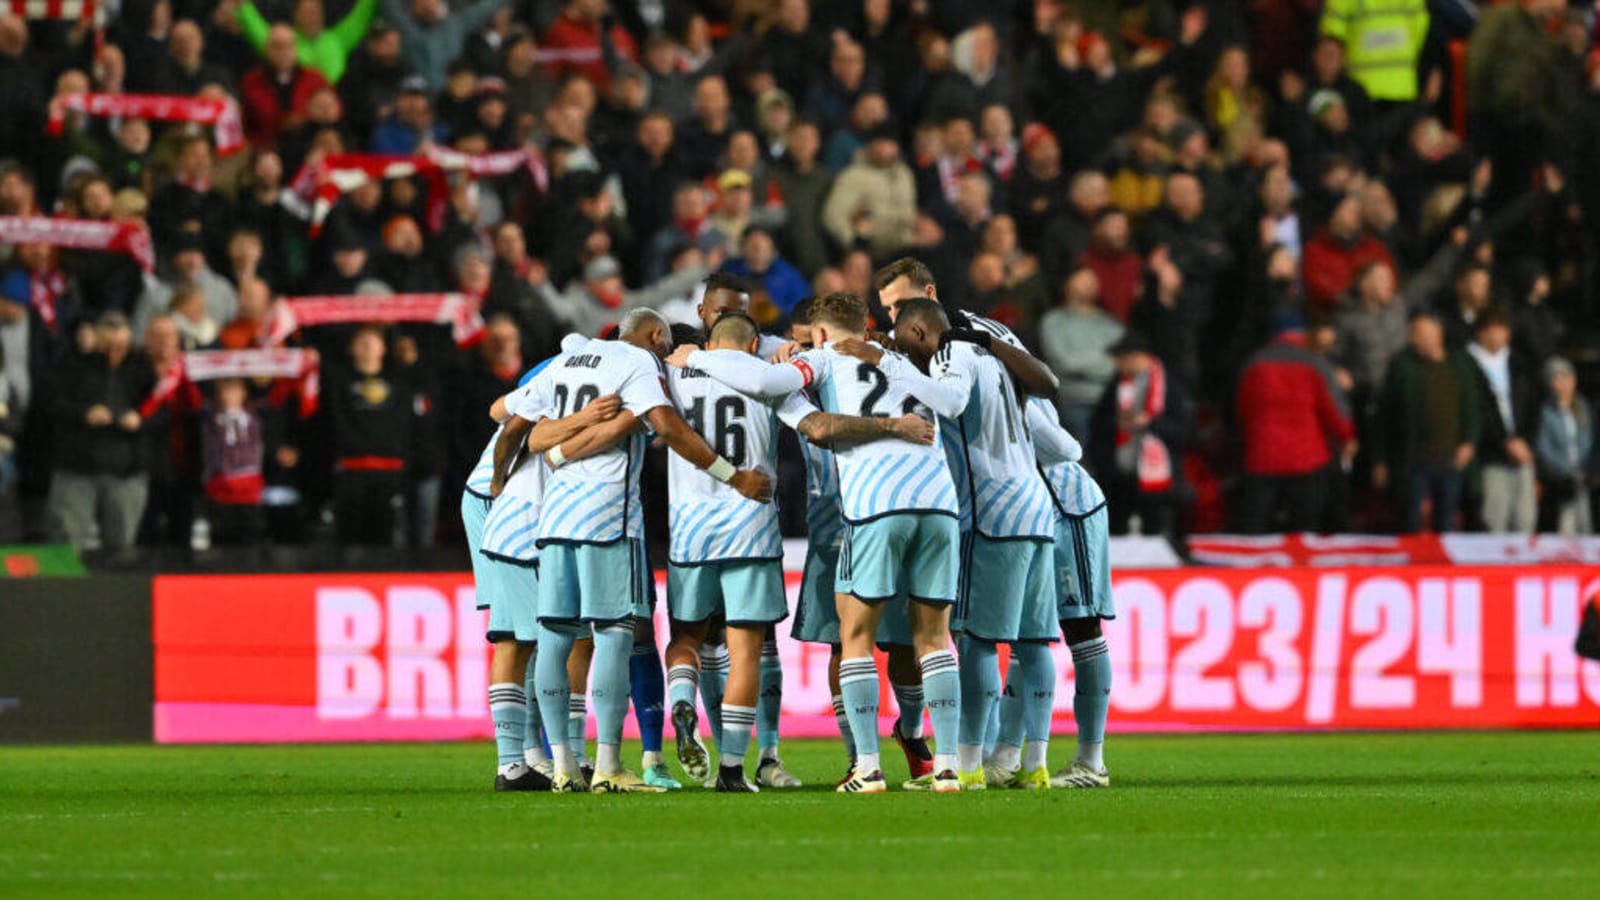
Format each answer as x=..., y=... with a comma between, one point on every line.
x=554, y=693
x=942, y=685
x=843, y=720
x=647, y=686
x=713, y=678
x=578, y=725
x=534, y=751
x=609, y=685
x=608, y=757
x=858, y=686
x=508, y=709
x=980, y=688
x=1035, y=754
x=908, y=697
x=683, y=683
x=991, y=729
x=1033, y=672
x=1091, y=664
x=1012, y=709
x=769, y=703
x=736, y=724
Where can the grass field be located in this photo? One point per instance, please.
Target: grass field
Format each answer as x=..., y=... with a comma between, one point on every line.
x=1267, y=815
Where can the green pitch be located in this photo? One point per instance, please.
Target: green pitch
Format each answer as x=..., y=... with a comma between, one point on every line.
x=1433, y=815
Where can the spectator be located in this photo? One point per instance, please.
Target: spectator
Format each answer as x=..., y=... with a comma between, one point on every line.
x=275, y=94
x=691, y=226
x=1074, y=339
x=325, y=49
x=1038, y=185
x=186, y=70
x=874, y=200
x=101, y=477
x=192, y=202
x=1469, y=300
x=832, y=96
x=582, y=42
x=411, y=124
x=1139, y=427
x=1292, y=414
x=1429, y=423
x=252, y=326
x=869, y=112
x=804, y=184
x=792, y=49
x=196, y=329
x=431, y=35
x=514, y=290
x=188, y=268
x=1118, y=269
x=759, y=261
x=489, y=373
x=1372, y=329
x=1521, y=91
x=1565, y=453
x=231, y=436
x=369, y=413
x=402, y=265
x=1337, y=252
x=372, y=80
x=705, y=137
x=1508, y=394
x=598, y=299
x=11, y=411
x=650, y=169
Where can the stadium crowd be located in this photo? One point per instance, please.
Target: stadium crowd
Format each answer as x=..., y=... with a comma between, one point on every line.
x=1248, y=234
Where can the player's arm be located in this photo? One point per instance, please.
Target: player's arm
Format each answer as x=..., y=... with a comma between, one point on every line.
x=946, y=395
x=742, y=372
x=554, y=432
x=512, y=436
x=1035, y=377
x=499, y=411
x=826, y=429
x=591, y=441
x=683, y=440
x=1052, y=443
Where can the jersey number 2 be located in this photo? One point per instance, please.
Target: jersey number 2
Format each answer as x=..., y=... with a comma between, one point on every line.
x=870, y=374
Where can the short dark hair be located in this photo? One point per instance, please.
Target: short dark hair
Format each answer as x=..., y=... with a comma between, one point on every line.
x=801, y=314
x=1418, y=315
x=726, y=281
x=1494, y=315
x=735, y=326
x=842, y=309
x=921, y=309
x=912, y=269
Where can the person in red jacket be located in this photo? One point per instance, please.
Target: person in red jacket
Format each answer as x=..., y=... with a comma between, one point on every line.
x=578, y=42
x=1339, y=250
x=275, y=93
x=1291, y=414
x=1114, y=261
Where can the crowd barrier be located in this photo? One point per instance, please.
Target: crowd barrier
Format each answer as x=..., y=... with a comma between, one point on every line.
x=380, y=657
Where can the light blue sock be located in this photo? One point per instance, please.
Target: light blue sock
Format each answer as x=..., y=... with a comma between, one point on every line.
x=1012, y=724
x=736, y=724
x=578, y=723
x=1036, y=688
x=683, y=684
x=858, y=685
x=991, y=728
x=554, y=688
x=980, y=687
x=1091, y=664
x=713, y=679
x=533, y=737
x=941, y=690
x=769, y=704
x=608, y=683
x=508, y=709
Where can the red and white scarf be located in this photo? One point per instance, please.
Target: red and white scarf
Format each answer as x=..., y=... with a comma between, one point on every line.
x=277, y=362
x=81, y=234
x=220, y=112
x=44, y=290
x=1139, y=451
x=323, y=182
x=459, y=311
x=58, y=10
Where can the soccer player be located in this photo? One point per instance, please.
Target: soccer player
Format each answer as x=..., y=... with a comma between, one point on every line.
x=503, y=587
x=1009, y=595
x=816, y=618
x=899, y=504
x=590, y=526
x=1083, y=588
x=726, y=552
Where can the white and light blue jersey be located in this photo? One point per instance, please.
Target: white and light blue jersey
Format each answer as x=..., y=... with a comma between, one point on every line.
x=1002, y=493
x=596, y=500
x=1074, y=491
x=482, y=474
x=511, y=530
x=824, y=522
x=878, y=478
x=710, y=521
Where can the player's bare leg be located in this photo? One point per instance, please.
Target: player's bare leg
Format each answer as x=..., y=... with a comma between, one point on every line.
x=858, y=686
x=683, y=679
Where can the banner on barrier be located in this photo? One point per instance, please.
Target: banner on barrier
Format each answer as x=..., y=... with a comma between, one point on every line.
x=402, y=657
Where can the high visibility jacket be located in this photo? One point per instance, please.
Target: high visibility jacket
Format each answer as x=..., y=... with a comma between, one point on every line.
x=1382, y=39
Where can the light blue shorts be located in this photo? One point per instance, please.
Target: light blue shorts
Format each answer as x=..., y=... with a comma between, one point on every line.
x=1083, y=567
x=592, y=583
x=816, y=616
x=745, y=593
x=514, y=610
x=1010, y=595
x=474, y=512
x=915, y=553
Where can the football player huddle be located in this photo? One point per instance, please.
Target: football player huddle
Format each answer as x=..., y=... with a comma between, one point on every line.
x=947, y=514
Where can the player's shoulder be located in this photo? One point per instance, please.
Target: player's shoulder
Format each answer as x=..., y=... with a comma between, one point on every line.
x=768, y=344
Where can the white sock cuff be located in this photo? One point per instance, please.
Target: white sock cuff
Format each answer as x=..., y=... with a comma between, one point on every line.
x=738, y=716
x=769, y=650
x=505, y=695
x=1091, y=649
x=936, y=662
